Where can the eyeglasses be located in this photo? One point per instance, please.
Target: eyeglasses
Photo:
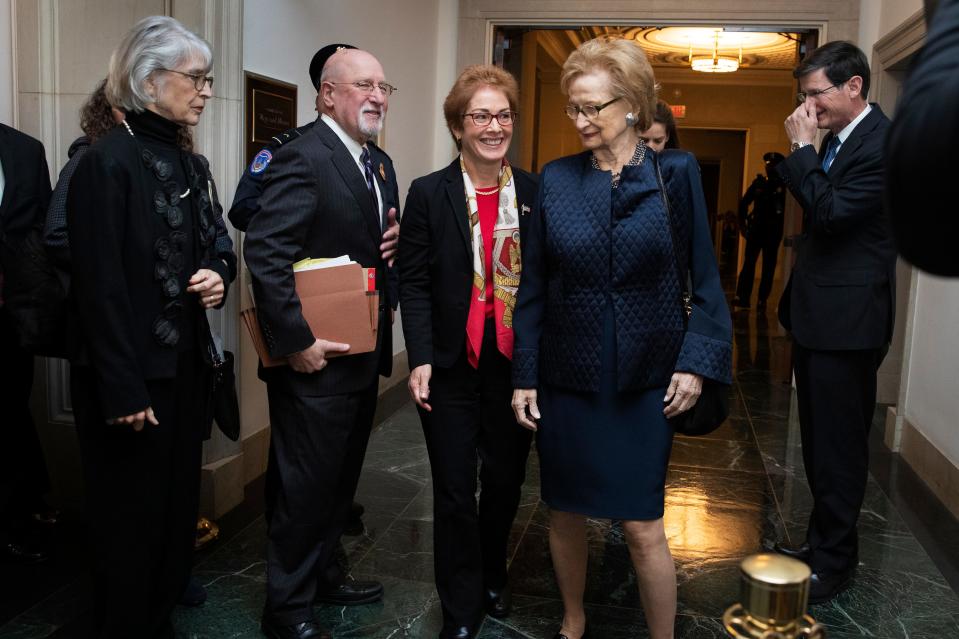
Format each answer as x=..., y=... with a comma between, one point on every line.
x=590, y=110
x=481, y=118
x=199, y=80
x=367, y=87
x=802, y=96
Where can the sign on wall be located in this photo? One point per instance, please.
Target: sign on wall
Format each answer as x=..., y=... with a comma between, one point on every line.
x=270, y=110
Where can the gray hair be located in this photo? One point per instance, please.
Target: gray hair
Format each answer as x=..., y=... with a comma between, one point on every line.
x=154, y=43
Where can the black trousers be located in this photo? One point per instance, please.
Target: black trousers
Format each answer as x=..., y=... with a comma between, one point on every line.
x=472, y=417
x=23, y=470
x=317, y=445
x=836, y=393
x=765, y=241
x=142, y=494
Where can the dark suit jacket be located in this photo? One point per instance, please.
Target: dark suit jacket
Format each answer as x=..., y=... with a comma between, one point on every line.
x=27, y=183
x=588, y=244
x=315, y=204
x=921, y=151
x=841, y=294
x=436, y=262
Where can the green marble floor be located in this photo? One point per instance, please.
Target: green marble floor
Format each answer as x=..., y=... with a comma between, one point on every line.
x=728, y=495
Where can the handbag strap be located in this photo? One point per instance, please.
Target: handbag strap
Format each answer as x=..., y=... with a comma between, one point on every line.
x=681, y=273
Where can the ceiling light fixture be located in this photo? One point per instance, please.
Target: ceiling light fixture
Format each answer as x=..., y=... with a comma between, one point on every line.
x=714, y=63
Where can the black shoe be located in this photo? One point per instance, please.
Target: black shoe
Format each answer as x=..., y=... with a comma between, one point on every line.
x=739, y=303
x=560, y=635
x=194, y=595
x=463, y=632
x=16, y=553
x=351, y=593
x=800, y=552
x=305, y=630
x=499, y=603
x=823, y=587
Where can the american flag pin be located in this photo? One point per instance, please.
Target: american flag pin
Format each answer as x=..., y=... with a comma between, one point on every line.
x=523, y=209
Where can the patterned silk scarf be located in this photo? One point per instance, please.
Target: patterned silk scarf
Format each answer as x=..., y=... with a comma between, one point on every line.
x=506, y=266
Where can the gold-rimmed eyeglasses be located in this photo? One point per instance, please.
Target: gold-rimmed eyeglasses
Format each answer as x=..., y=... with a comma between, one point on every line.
x=590, y=110
x=484, y=118
x=367, y=87
x=199, y=80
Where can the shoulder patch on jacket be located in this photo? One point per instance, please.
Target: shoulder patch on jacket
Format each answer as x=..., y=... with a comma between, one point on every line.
x=260, y=162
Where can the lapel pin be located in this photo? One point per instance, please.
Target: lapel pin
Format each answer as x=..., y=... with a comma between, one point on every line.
x=382, y=172
x=524, y=209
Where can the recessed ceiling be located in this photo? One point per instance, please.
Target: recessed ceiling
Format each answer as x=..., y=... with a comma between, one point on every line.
x=670, y=46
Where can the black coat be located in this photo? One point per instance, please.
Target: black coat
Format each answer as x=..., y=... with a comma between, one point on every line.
x=921, y=151
x=841, y=293
x=315, y=203
x=116, y=239
x=436, y=262
x=26, y=192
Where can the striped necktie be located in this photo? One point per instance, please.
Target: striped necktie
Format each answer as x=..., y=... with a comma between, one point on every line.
x=368, y=173
x=831, y=152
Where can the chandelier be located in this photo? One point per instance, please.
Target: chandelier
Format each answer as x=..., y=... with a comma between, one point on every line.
x=715, y=63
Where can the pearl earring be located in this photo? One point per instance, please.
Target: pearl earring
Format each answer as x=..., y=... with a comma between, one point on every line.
x=630, y=119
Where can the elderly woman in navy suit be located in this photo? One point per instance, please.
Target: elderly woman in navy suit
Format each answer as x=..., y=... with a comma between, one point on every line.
x=602, y=356
x=459, y=259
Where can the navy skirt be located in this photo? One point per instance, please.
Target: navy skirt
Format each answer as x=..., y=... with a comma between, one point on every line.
x=604, y=454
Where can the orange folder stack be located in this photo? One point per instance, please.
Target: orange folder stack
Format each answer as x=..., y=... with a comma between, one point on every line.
x=338, y=305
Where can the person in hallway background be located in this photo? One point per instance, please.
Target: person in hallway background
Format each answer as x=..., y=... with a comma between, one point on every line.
x=24, y=193
x=662, y=133
x=460, y=264
x=602, y=358
x=921, y=151
x=326, y=193
x=145, y=264
x=250, y=187
x=763, y=228
x=840, y=299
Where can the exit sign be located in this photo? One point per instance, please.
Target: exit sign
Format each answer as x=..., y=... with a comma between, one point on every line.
x=679, y=110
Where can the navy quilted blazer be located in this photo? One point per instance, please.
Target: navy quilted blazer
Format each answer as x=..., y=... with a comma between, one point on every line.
x=589, y=243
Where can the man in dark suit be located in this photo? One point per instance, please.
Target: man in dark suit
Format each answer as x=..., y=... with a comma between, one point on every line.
x=24, y=195
x=921, y=151
x=839, y=302
x=763, y=228
x=327, y=193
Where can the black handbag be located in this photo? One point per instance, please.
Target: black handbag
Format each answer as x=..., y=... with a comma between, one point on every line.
x=712, y=408
x=222, y=405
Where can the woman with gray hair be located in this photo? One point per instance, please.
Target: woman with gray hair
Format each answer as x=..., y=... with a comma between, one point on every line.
x=145, y=264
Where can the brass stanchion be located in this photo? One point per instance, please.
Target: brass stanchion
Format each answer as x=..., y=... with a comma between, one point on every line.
x=774, y=591
x=206, y=531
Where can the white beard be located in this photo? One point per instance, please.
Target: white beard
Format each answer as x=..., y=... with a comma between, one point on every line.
x=367, y=129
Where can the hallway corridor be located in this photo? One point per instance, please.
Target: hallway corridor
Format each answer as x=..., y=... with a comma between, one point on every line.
x=727, y=496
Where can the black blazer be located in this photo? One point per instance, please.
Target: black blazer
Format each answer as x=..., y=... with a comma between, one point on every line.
x=436, y=262
x=315, y=203
x=26, y=192
x=841, y=293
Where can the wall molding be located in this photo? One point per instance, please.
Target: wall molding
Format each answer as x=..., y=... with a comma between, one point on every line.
x=935, y=469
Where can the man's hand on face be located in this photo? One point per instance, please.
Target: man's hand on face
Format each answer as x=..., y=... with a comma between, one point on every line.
x=802, y=124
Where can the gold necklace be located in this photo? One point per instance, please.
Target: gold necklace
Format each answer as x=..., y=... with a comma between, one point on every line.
x=490, y=191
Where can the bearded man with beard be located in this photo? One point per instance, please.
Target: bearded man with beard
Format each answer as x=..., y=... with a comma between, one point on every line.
x=327, y=193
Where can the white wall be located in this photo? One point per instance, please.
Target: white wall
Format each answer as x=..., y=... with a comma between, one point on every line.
x=931, y=402
x=895, y=12
x=6, y=63
x=870, y=14
x=409, y=38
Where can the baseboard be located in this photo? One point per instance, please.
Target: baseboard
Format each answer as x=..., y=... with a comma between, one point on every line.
x=934, y=468
x=222, y=482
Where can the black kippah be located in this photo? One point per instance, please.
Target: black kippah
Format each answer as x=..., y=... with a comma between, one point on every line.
x=320, y=58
